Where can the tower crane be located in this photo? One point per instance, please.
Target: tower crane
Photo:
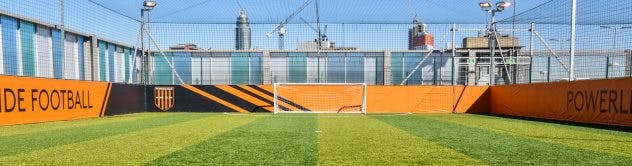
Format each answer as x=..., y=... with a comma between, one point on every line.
x=280, y=29
x=322, y=37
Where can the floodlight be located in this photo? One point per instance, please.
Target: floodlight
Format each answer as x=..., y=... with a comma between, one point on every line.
x=149, y=4
x=502, y=5
x=486, y=6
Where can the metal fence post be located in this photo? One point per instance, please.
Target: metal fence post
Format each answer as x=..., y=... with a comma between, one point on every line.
x=548, y=68
x=607, y=67
x=452, y=77
x=530, y=69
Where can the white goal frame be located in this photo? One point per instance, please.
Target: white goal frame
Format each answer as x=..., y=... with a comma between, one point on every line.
x=276, y=97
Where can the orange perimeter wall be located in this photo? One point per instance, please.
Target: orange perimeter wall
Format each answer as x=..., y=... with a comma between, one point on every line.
x=606, y=102
x=427, y=99
x=421, y=99
x=31, y=100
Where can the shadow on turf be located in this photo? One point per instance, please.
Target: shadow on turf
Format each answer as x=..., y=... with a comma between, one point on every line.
x=589, y=125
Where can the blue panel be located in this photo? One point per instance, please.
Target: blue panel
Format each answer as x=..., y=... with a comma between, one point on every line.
x=27, y=40
x=9, y=45
x=410, y=62
x=355, y=67
x=239, y=67
x=58, y=57
x=82, y=72
x=297, y=63
x=379, y=70
x=162, y=72
x=256, y=72
x=103, y=46
x=335, y=67
x=128, y=52
x=397, y=69
x=135, y=75
x=111, y=50
x=182, y=64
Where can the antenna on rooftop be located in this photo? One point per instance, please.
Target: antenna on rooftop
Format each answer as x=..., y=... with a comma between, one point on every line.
x=241, y=8
x=411, y=9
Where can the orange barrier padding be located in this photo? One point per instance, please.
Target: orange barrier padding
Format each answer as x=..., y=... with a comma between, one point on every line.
x=215, y=98
x=250, y=98
x=340, y=98
x=425, y=99
x=472, y=99
x=413, y=99
x=606, y=102
x=31, y=100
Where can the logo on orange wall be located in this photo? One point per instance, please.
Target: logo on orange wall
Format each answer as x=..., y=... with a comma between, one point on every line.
x=163, y=98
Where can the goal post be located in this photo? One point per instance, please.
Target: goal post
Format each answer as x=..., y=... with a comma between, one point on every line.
x=320, y=98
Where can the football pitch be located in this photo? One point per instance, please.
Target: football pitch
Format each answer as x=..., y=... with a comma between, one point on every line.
x=310, y=139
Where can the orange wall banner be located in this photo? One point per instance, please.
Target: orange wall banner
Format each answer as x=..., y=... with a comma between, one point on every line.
x=606, y=102
x=32, y=100
x=425, y=99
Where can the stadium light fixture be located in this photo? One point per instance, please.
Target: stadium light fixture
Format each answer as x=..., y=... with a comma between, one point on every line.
x=502, y=5
x=486, y=6
x=149, y=4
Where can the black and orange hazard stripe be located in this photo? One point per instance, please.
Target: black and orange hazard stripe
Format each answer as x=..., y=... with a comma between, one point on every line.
x=215, y=98
x=222, y=98
x=269, y=96
x=247, y=97
x=260, y=96
x=283, y=101
x=239, y=99
x=105, y=99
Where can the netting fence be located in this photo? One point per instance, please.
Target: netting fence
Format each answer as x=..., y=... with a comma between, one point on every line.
x=361, y=42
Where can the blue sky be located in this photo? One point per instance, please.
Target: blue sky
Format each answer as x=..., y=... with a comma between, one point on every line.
x=380, y=24
x=332, y=11
x=368, y=24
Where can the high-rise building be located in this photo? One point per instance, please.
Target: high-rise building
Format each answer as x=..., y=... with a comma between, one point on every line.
x=419, y=38
x=242, y=32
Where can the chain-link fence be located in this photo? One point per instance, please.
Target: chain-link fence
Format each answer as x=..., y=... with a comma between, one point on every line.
x=375, y=44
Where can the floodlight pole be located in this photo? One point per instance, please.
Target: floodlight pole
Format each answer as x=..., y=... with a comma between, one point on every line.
x=492, y=34
x=571, y=76
x=142, y=45
x=492, y=48
x=144, y=56
x=147, y=6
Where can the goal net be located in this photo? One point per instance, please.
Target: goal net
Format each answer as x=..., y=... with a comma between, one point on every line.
x=319, y=98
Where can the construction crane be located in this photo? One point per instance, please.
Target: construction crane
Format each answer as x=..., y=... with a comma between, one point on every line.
x=280, y=29
x=322, y=37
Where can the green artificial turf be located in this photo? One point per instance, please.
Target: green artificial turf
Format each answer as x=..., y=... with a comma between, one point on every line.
x=18, y=143
x=499, y=148
x=364, y=140
x=310, y=139
x=272, y=140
